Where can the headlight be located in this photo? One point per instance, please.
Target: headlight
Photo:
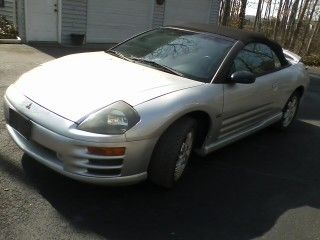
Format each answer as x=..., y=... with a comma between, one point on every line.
x=116, y=118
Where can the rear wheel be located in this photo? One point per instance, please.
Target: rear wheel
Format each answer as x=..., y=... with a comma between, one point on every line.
x=172, y=152
x=289, y=111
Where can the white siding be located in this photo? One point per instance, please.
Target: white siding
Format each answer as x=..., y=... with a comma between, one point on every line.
x=187, y=11
x=158, y=15
x=74, y=15
x=179, y=11
x=116, y=20
x=74, y=18
x=214, y=12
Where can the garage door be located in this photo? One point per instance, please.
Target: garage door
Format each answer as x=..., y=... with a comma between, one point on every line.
x=193, y=11
x=114, y=20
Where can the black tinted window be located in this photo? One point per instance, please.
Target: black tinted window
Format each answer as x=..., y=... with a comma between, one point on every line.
x=256, y=58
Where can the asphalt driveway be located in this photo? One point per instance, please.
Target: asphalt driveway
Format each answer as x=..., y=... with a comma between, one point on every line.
x=266, y=186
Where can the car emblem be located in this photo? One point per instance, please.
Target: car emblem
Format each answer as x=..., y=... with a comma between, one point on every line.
x=29, y=106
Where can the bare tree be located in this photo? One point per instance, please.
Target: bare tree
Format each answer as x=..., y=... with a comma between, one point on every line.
x=221, y=10
x=284, y=21
x=226, y=12
x=268, y=9
x=299, y=23
x=314, y=32
x=242, y=14
x=291, y=22
x=267, y=14
x=277, y=23
x=300, y=7
x=306, y=30
x=258, y=14
x=233, y=11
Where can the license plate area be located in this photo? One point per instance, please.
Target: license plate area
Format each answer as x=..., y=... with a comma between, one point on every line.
x=20, y=123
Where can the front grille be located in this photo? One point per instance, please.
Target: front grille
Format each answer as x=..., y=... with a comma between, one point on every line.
x=104, y=167
x=106, y=162
x=20, y=123
x=104, y=172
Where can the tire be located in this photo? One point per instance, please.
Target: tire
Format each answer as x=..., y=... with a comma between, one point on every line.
x=289, y=112
x=172, y=153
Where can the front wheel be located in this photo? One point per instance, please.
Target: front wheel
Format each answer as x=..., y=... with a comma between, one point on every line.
x=289, y=111
x=172, y=152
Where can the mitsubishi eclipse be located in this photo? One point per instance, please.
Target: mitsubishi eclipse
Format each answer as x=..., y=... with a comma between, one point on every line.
x=140, y=109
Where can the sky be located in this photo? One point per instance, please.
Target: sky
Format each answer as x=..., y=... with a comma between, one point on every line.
x=251, y=11
x=251, y=7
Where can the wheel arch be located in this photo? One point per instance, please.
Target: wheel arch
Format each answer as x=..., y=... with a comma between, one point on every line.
x=203, y=121
x=300, y=90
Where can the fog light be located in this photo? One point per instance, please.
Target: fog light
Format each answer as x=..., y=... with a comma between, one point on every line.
x=107, y=151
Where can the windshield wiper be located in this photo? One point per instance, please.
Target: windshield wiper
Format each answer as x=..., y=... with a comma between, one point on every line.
x=118, y=54
x=147, y=62
x=158, y=66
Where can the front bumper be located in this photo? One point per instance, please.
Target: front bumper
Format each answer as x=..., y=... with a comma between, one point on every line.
x=70, y=157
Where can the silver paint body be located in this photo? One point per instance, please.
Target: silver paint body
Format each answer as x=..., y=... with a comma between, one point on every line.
x=291, y=57
x=64, y=91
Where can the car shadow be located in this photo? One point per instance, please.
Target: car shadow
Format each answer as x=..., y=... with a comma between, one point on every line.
x=237, y=192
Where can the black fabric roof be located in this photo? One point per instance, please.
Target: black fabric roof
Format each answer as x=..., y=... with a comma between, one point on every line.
x=236, y=34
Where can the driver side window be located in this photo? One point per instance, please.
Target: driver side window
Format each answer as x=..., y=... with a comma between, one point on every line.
x=256, y=58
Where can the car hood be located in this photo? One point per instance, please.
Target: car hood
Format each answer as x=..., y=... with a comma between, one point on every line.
x=79, y=84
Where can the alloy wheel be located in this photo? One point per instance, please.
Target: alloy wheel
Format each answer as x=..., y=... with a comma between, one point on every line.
x=290, y=111
x=184, y=155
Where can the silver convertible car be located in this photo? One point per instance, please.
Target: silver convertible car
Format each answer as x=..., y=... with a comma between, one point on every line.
x=140, y=109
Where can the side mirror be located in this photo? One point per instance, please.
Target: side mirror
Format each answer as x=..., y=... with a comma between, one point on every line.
x=244, y=77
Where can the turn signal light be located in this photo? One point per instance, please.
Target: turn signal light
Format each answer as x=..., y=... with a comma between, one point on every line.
x=107, y=151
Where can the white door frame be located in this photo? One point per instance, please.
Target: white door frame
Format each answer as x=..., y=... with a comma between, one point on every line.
x=59, y=2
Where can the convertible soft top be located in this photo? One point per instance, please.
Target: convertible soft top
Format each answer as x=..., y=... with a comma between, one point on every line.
x=234, y=33
x=237, y=34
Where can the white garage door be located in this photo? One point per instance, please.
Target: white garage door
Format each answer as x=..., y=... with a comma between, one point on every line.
x=192, y=11
x=114, y=20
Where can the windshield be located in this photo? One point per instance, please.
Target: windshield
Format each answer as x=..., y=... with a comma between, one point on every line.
x=184, y=53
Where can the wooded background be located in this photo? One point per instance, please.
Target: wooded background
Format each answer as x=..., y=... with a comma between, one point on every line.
x=293, y=23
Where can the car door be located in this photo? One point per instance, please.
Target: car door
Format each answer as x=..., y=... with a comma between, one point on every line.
x=247, y=105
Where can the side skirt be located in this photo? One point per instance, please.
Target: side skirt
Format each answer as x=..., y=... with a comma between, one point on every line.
x=223, y=142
